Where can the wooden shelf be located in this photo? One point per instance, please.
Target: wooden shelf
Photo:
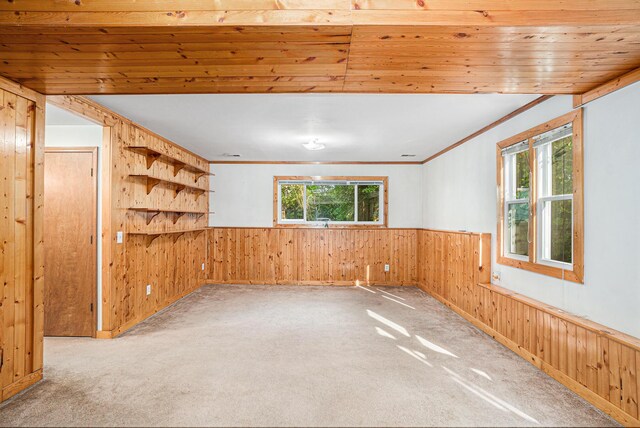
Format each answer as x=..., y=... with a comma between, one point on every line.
x=179, y=187
x=152, y=212
x=178, y=165
x=151, y=236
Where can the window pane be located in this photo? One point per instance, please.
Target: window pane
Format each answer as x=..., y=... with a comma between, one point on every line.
x=368, y=203
x=518, y=229
x=329, y=202
x=560, y=219
x=522, y=175
x=292, y=201
x=562, y=166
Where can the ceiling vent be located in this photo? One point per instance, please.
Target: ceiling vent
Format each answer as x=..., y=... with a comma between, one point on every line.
x=231, y=155
x=407, y=156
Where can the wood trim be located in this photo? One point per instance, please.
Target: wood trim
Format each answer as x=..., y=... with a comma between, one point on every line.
x=91, y=110
x=577, y=273
x=492, y=125
x=340, y=14
x=539, y=129
x=107, y=241
x=607, y=88
x=320, y=228
x=307, y=283
x=384, y=179
x=38, y=237
x=594, y=361
x=592, y=326
x=84, y=108
x=94, y=230
x=558, y=375
x=20, y=385
x=220, y=162
x=23, y=91
x=103, y=334
x=112, y=334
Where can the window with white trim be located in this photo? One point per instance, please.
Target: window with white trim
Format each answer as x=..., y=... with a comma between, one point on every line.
x=554, y=154
x=330, y=201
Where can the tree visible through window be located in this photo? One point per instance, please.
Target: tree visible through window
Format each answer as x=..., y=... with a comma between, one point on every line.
x=330, y=201
x=541, y=183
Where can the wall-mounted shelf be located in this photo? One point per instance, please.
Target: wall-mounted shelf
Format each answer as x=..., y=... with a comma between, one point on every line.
x=179, y=187
x=152, y=212
x=178, y=165
x=152, y=236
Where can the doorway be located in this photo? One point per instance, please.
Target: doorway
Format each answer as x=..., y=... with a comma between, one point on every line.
x=70, y=241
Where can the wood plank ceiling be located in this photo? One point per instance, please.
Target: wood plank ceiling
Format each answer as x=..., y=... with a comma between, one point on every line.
x=405, y=46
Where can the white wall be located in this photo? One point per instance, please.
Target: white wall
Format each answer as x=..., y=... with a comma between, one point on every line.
x=459, y=192
x=89, y=135
x=244, y=193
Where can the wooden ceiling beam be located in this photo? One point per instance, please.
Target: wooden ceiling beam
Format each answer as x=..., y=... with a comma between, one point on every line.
x=607, y=88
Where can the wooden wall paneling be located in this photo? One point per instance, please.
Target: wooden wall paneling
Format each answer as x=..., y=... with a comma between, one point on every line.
x=312, y=256
x=596, y=362
x=162, y=249
x=21, y=253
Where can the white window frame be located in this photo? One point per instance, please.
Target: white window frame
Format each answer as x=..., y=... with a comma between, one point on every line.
x=354, y=183
x=510, y=192
x=543, y=230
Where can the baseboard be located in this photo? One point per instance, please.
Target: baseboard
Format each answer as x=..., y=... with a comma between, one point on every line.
x=20, y=385
x=589, y=395
x=103, y=334
x=112, y=334
x=302, y=283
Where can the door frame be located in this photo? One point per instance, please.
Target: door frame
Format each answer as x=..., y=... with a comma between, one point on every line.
x=94, y=224
x=84, y=107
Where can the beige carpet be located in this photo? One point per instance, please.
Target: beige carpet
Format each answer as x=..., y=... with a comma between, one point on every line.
x=256, y=355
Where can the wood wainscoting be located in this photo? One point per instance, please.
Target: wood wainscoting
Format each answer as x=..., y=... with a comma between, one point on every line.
x=312, y=256
x=596, y=362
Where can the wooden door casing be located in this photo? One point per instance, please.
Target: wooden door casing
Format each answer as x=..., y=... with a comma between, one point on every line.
x=70, y=241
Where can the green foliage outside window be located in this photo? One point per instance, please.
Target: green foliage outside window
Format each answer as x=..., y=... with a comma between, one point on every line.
x=330, y=202
x=562, y=211
x=292, y=201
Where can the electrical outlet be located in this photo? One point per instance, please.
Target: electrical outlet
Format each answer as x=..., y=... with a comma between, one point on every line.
x=496, y=276
x=386, y=268
x=202, y=266
x=119, y=237
x=148, y=289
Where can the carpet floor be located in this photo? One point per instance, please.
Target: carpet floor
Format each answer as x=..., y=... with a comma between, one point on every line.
x=296, y=356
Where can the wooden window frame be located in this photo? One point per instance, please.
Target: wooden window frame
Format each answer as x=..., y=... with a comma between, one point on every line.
x=385, y=208
x=576, y=273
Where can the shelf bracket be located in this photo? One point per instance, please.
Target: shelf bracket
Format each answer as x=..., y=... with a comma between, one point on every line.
x=177, y=216
x=151, y=183
x=177, y=236
x=177, y=167
x=198, y=232
x=151, y=215
x=179, y=188
x=199, y=193
x=151, y=158
x=150, y=238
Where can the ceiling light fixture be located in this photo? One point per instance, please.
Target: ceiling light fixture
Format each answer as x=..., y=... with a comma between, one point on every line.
x=313, y=145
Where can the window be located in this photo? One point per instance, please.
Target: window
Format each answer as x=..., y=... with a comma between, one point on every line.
x=540, y=187
x=330, y=201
